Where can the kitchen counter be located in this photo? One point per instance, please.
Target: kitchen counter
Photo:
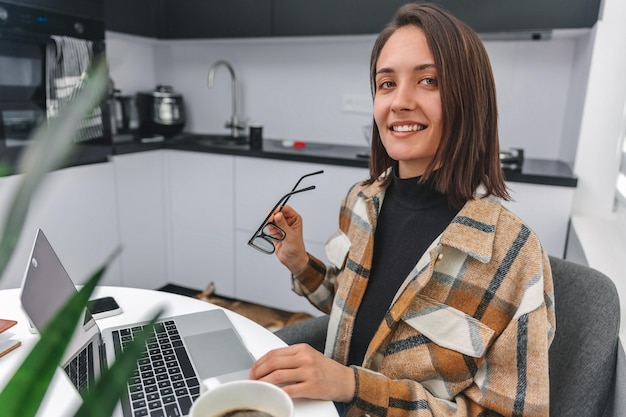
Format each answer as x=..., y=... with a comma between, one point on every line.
x=86, y=153
x=342, y=155
x=534, y=171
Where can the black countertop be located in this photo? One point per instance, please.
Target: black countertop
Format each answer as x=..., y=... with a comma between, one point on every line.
x=85, y=153
x=533, y=171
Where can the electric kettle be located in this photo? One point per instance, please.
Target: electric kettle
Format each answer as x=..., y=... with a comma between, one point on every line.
x=123, y=112
x=161, y=112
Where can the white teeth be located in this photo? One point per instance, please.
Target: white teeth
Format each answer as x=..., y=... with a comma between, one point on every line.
x=407, y=128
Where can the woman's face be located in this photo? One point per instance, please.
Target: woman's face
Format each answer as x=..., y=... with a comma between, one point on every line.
x=407, y=104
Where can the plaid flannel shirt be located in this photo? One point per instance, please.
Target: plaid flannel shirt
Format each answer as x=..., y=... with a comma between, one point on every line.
x=467, y=333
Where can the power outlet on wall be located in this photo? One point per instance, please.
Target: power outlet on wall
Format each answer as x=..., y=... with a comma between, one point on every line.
x=352, y=103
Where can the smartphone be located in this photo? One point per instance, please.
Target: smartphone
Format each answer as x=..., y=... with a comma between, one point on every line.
x=103, y=307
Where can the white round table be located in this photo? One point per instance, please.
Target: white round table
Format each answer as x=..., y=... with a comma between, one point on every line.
x=137, y=305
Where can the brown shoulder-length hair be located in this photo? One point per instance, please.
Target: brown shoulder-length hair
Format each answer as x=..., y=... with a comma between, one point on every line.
x=468, y=154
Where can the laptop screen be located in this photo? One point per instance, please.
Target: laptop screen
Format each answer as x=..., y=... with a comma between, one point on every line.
x=46, y=287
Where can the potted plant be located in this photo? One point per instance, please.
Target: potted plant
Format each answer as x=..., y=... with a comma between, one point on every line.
x=50, y=147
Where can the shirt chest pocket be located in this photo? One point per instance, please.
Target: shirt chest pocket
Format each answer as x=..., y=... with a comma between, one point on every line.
x=450, y=328
x=337, y=248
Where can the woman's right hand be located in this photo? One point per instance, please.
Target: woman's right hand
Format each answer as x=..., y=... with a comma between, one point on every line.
x=291, y=251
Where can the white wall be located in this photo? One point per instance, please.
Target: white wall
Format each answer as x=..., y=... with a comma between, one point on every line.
x=602, y=125
x=576, y=97
x=532, y=83
x=601, y=230
x=294, y=86
x=131, y=62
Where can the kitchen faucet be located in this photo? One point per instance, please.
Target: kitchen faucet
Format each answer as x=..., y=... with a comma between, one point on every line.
x=234, y=124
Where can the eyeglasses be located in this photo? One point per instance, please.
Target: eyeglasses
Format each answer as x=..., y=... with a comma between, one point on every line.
x=268, y=233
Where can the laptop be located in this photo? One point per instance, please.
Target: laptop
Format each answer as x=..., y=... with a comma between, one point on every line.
x=184, y=351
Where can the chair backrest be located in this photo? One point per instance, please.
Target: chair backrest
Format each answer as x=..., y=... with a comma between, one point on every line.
x=311, y=331
x=583, y=353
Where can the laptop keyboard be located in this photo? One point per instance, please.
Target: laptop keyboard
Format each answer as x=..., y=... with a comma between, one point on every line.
x=80, y=369
x=164, y=383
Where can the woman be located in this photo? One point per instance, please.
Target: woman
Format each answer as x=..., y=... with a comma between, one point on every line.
x=440, y=299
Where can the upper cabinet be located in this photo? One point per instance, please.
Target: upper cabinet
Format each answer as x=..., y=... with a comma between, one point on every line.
x=137, y=17
x=91, y=9
x=330, y=17
x=188, y=19
x=184, y=19
x=487, y=16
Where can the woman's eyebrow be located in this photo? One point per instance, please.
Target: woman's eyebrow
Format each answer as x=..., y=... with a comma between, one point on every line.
x=385, y=70
x=421, y=67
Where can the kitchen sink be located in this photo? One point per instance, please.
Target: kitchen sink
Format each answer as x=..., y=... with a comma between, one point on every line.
x=214, y=140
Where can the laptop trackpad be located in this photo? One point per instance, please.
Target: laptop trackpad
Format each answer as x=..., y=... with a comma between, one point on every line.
x=218, y=353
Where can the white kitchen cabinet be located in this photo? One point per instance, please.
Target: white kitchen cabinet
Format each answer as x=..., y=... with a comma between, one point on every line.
x=546, y=209
x=76, y=209
x=259, y=184
x=262, y=279
x=200, y=213
x=176, y=219
x=141, y=199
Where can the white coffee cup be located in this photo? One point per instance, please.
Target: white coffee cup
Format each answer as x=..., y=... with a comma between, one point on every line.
x=246, y=394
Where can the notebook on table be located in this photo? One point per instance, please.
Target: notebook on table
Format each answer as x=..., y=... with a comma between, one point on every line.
x=184, y=350
x=7, y=342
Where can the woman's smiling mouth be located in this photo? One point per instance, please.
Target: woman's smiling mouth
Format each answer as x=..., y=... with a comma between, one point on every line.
x=407, y=128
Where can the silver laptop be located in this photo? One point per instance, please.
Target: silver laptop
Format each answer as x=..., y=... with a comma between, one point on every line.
x=184, y=350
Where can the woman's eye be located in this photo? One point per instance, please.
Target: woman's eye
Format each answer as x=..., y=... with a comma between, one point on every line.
x=429, y=81
x=385, y=85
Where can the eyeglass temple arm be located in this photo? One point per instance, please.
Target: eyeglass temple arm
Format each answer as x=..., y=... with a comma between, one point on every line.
x=281, y=203
x=321, y=171
x=288, y=196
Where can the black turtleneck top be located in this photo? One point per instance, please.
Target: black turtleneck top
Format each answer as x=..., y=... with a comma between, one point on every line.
x=413, y=214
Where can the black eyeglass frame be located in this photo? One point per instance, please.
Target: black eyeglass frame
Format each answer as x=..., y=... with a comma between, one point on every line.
x=260, y=234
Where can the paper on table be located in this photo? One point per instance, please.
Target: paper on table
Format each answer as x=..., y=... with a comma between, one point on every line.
x=7, y=343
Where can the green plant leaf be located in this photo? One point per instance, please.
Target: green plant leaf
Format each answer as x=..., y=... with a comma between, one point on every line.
x=4, y=169
x=52, y=144
x=101, y=400
x=23, y=394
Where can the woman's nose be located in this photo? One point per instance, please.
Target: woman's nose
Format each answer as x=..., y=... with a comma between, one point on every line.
x=404, y=99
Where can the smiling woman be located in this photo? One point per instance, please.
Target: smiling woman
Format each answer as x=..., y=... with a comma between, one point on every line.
x=424, y=241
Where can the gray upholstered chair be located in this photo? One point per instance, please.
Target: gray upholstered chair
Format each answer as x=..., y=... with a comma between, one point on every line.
x=587, y=361
x=584, y=353
x=311, y=331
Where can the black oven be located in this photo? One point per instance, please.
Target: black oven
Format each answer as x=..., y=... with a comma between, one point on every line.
x=22, y=88
x=26, y=36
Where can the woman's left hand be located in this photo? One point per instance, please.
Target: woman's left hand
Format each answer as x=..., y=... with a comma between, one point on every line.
x=303, y=372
